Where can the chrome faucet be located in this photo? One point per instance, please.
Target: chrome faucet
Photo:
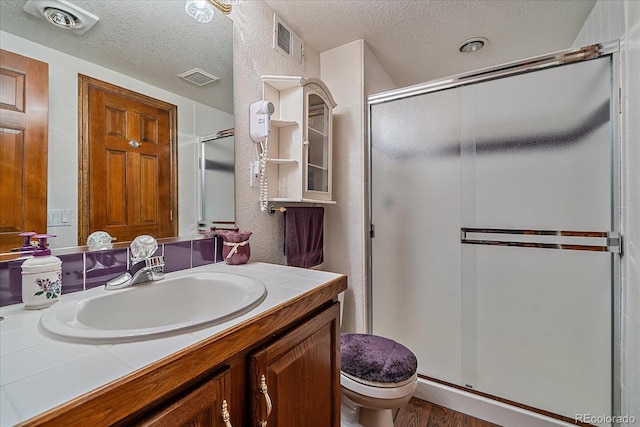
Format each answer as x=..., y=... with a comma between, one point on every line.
x=144, y=271
x=144, y=267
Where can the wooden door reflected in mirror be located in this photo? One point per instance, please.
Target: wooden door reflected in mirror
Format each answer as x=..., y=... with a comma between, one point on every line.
x=24, y=119
x=128, y=183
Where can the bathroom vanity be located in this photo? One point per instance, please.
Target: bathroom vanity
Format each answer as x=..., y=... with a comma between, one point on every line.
x=279, y=362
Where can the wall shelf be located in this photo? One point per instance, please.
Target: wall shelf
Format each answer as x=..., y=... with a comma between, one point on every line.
x=283, y=161
x=315, y=201
x=300, y=143
x=283, y=123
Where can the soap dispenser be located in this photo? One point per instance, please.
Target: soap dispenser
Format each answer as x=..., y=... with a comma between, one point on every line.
x=41, y=276
x=27, y=246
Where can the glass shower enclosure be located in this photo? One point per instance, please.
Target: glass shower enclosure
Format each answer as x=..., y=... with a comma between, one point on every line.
x=217, y=182
x=495, y=205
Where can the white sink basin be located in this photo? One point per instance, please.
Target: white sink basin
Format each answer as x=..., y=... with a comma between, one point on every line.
x=155, y=309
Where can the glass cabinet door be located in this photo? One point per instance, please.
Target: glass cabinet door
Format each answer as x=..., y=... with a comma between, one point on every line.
x=317, y=144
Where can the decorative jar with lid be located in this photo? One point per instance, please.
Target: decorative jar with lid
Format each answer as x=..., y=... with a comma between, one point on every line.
x=235, y=249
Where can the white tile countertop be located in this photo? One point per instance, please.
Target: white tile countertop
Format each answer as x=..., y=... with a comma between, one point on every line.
x=38, y=373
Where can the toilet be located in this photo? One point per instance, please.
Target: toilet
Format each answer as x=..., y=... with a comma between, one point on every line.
x=377, y=375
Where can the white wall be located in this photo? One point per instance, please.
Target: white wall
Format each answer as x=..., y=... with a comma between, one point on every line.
x=352, y=73
x=342, y=70
x=63, y=132
x=609, y=20
x=376, y=78
x=253, y=57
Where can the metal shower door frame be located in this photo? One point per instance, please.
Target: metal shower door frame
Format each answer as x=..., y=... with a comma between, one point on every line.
x=612, y=242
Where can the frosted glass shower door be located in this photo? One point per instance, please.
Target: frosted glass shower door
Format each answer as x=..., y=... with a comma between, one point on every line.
x=415, y=174
x=216, y=163
x=494, y=257
x=537, y=185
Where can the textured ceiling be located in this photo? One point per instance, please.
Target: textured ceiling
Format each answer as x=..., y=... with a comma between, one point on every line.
x=151, y=40
x=417, y=40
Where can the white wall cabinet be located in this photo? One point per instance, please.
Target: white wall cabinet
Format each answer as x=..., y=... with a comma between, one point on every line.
x=300, y=145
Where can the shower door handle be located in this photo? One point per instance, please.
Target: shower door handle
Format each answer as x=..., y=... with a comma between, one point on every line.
x=595, y=241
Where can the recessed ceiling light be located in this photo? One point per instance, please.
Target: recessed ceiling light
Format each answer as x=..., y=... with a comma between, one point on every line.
x=62, y=14
x=60, y=18
x=472, y=45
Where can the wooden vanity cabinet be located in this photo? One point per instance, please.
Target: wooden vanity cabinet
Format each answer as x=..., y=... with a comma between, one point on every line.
x=295, y=380
x=295, y=347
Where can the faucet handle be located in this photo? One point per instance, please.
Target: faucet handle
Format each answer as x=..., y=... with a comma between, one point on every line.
x=142, y=247
x=155, y=266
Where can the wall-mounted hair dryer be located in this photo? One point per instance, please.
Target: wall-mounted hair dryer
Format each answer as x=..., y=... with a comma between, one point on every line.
x=260, y=120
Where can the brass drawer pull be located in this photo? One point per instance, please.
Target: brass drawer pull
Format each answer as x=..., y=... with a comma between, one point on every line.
x=263, y=389
x=226, y=418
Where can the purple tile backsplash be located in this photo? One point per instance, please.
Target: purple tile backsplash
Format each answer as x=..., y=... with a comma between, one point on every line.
x=85, y=270
x=177, y=256
x=102, y=266
x=203, y=252
x=10, y=282
x=72, y=273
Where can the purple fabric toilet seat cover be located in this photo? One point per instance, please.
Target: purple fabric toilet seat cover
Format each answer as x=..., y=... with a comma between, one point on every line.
x=375, y=358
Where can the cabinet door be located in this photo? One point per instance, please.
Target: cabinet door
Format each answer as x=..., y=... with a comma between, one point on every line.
x=201, y=406
x=317, y=154
x=296, y=379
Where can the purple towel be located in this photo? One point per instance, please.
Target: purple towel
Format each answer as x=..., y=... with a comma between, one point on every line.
x=303, y=236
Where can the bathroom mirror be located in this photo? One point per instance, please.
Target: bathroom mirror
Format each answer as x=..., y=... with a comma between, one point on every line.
x=143, y=46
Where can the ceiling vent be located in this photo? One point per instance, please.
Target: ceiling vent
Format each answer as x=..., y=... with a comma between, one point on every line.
x=62, y=14
x=198, y=77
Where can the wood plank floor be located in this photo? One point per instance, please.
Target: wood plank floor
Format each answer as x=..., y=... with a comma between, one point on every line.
x=418, y=413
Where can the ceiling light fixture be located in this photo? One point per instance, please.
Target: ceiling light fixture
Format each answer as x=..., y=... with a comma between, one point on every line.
x=60, y=18
x=472, y=45
x=200, y=10
x=203, y=10
x=62, y=14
